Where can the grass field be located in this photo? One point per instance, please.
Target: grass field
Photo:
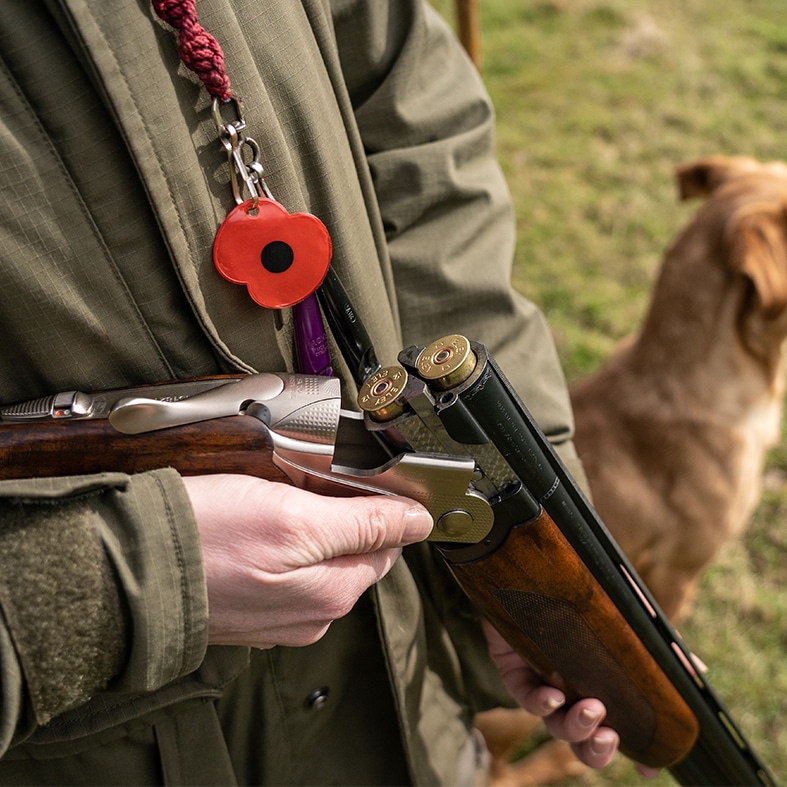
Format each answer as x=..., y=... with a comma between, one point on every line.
x=597, y=102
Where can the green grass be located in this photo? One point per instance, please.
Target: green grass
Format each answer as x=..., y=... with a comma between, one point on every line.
x=597, y=102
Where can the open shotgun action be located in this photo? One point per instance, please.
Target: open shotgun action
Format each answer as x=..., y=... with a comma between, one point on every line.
x=445, y=428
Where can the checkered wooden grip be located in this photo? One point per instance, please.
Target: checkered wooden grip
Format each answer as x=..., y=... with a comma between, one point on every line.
x=537, y=592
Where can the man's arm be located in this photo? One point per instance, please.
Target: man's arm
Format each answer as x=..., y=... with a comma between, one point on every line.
x=98, y=573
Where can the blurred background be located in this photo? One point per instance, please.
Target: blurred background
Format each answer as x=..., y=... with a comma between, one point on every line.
x=597, y=102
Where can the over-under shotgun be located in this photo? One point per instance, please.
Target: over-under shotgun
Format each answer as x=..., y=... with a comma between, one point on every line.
x=446, y=428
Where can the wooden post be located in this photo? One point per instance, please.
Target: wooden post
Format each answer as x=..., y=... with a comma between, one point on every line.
x=469, y=24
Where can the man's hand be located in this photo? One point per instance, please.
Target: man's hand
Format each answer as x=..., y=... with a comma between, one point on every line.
x=580, y=724
x=282, y=564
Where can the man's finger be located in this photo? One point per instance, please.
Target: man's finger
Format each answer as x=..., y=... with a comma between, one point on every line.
x=354, y=526
x=599, y=750
x=578, y=722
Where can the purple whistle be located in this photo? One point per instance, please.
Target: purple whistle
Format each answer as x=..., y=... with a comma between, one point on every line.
x=311, y=343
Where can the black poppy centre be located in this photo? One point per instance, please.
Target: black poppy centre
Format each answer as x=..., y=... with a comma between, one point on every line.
x=277, y=256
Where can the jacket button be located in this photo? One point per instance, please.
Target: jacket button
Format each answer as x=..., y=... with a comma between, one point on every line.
x=317, y=699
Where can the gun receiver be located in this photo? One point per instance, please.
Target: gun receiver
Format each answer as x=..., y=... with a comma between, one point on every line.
x=446, y=428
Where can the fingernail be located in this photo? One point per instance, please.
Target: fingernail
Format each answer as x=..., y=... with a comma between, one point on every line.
x=551, y=704
x=418, y=524
x=602, y=745
x=587, y=718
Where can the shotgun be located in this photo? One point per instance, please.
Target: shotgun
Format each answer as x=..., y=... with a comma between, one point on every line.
x=444, y=427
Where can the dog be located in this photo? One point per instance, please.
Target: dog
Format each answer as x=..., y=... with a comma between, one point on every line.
x=674, y=428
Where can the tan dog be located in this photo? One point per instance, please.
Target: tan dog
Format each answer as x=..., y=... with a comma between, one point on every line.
x=673, y=430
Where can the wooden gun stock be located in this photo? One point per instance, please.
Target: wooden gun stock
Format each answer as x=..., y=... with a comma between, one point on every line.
x=234, y=444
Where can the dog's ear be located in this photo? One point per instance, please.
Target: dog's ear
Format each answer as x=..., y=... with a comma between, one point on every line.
x=699, y=178
x=757, y=236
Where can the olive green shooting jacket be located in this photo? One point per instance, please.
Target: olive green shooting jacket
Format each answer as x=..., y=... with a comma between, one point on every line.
x=113, y=184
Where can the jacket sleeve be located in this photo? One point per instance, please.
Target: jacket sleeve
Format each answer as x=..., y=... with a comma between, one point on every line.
x=101, y=587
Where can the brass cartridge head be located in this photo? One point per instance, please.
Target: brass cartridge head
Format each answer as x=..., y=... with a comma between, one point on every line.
x=380, y=393
x=446, y=362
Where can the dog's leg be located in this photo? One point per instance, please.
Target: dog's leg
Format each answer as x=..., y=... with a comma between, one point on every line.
x=552, y=762
x=504, y=730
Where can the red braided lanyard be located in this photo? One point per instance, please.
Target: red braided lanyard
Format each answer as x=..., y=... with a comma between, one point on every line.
x=199, y=50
